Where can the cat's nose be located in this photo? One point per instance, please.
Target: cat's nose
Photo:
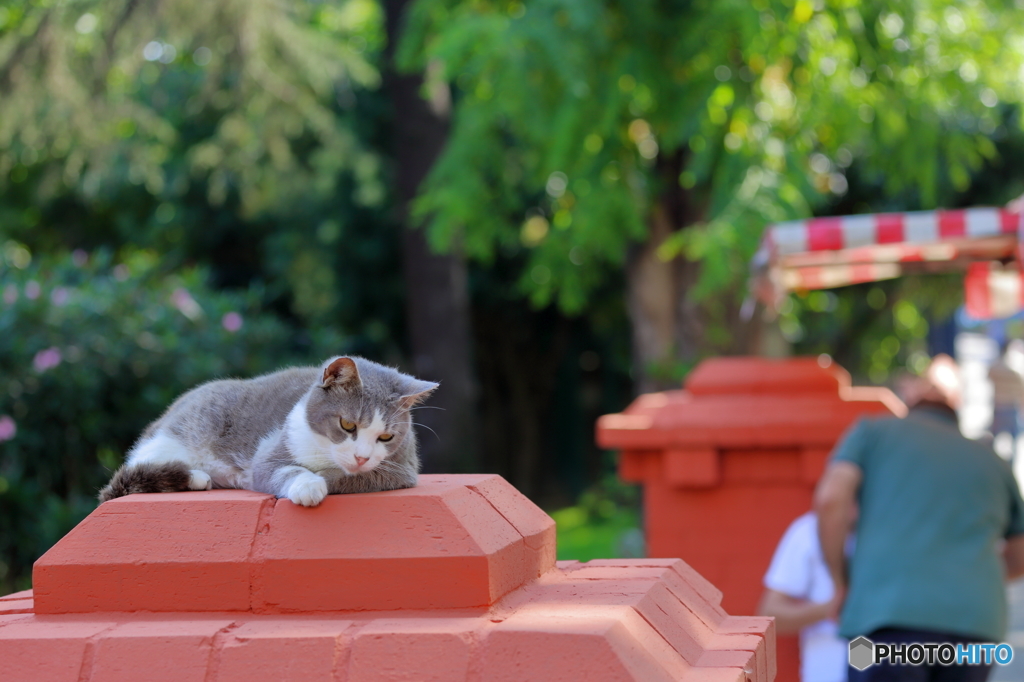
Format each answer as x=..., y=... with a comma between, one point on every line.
x=360, y=461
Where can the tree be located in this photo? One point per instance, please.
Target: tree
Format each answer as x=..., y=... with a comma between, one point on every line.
x=236, y=134
x=657, y=138
x=109, y=87
x=436, y=289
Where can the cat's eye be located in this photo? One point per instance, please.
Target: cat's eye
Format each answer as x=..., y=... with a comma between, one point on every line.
x=384, y=437
x=348, y=426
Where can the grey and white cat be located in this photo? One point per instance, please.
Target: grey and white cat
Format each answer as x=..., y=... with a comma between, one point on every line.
x=299, y=433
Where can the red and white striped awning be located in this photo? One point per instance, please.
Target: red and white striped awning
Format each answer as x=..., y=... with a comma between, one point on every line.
x=823, y=253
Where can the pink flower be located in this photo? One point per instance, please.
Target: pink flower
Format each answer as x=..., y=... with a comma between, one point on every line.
x=46, y=359
x=7, y=428
x=232, y=321
x=184, y=302
x=79, y=257
x=32, y=290
x=59, y=296
x=10, y=294
x=121, y=272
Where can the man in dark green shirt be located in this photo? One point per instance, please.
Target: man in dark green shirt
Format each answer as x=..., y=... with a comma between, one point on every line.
x=940, y=529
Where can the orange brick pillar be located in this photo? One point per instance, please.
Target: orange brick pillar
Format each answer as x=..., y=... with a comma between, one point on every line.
x=730, y=461
x=452, y=581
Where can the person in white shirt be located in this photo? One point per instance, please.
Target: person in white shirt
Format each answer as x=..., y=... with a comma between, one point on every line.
x=799, y=594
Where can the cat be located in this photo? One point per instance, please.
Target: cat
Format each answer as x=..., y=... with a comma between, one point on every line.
x=299, y=433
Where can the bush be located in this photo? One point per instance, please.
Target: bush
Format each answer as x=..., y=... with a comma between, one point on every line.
x=90, y=352
x=604, y=524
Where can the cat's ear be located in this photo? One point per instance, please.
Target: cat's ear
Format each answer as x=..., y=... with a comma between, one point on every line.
x=415, y=391
x=341, y=372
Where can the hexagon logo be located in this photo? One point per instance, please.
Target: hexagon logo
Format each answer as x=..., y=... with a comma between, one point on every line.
x=862, y=653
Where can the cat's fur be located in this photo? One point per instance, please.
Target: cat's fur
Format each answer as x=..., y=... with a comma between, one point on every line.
x=282, y=434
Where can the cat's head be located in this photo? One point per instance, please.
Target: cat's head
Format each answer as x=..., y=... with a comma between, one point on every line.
x=363, y=410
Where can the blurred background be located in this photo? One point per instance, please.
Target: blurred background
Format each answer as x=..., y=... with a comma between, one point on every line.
x=549, y=206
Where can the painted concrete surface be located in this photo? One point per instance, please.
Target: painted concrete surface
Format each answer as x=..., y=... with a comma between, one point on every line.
x=452, y=580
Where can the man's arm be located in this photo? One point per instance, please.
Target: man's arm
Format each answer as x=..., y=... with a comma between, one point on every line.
x=791, y=614
x=835, y=503
x=1013, y=556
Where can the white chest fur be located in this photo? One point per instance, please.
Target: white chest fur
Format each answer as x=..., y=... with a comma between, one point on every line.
x=309, y=448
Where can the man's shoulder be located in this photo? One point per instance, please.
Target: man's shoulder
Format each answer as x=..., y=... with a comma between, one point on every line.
x=881, y=420
x=933, y=432
x=871, y=424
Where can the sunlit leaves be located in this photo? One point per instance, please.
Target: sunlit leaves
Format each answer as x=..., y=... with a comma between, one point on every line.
x=742, y=94
x=103, y=89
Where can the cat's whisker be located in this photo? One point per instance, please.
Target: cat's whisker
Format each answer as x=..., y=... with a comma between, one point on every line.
x=395, y=411
x=428, y=429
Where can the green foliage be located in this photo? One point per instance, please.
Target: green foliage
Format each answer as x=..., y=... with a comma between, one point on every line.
x=240, y=136
x=226, y=150
x=574, y=120
x=604, y=523
x=245, y=138
x=873, y=330
x=91, y=351
x=877, y=330
x=238, y=95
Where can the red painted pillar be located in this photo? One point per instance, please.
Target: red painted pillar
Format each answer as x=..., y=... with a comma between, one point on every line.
x=454, y=580
x=730, y=461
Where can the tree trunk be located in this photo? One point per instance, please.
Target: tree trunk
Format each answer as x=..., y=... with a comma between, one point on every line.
x=437, y=303
x=672, y=331
x=668, y=332
x=652, y=297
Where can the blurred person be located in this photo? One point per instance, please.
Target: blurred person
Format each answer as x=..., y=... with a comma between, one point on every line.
x=1007, y=395
x=940, y=529
x=800, y=596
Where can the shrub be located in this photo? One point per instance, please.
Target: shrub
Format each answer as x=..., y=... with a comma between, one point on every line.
x=91, y=351
x=605, y=523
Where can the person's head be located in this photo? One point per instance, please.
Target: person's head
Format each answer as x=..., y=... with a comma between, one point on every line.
x=940, y=383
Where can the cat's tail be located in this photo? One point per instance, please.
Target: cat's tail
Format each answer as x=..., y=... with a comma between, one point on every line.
x=169, y=477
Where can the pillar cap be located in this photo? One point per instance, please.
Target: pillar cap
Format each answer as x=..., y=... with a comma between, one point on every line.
x=742, y=402
x=775, y=376
x=452, y=580
x=457, y=541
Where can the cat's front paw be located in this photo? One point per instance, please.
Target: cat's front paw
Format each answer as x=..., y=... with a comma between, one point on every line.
x=199, y=480
x=307, y=489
